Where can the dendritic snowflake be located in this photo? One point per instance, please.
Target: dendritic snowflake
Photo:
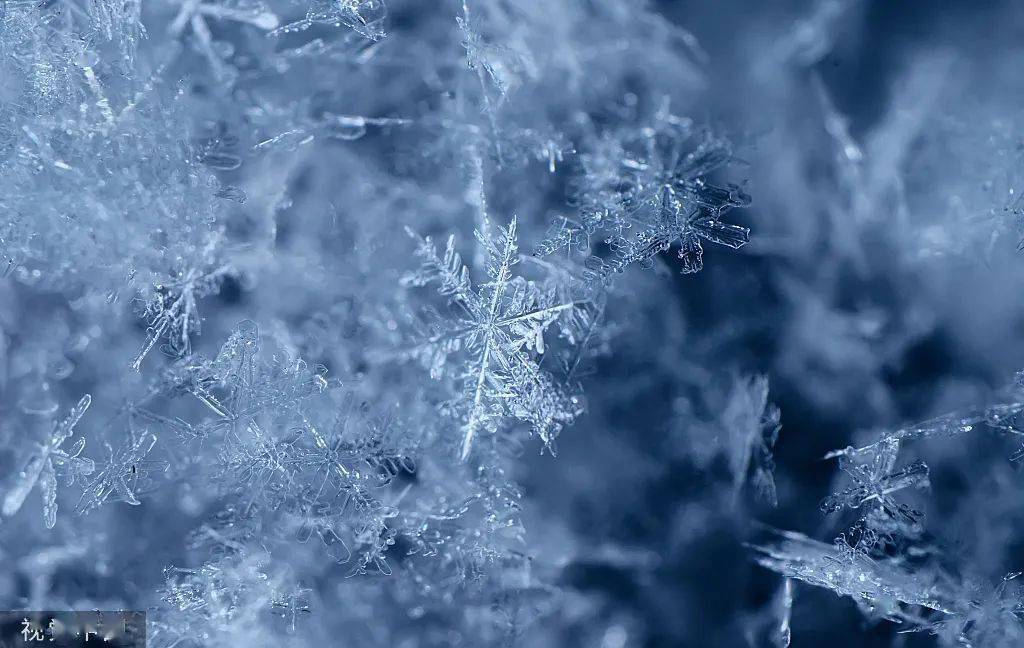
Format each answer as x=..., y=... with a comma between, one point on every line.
x=48, y=462
x=648, y=189
x=498, y=333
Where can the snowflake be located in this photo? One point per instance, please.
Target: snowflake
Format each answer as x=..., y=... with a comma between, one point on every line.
x=646, y=190
x=499, y=330
x=48, y=458
x=242, y=390
x=875, y=479
x=126, y=473
x=171, y=311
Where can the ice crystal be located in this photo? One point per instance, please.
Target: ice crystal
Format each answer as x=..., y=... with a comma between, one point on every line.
x=648, y=189
x=301, y=426
x=124, y=475
x=884, y=585
x=50, y=461
x=499, y=335
x=172, y=311
x=875, y=480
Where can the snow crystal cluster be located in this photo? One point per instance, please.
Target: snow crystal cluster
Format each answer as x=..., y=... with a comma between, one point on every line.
x=539, y=323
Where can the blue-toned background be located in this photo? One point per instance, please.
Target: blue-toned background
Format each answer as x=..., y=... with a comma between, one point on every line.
x=494, y=323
